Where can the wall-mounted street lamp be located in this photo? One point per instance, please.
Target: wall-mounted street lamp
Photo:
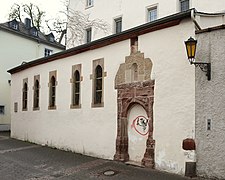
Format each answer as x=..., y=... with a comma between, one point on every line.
x=191, y=50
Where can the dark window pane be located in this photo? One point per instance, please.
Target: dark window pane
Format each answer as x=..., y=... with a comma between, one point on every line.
x=98, y=97
x=118, y=24
x=36, y=103
x=25, y=96
x=53, y=90
x=77, y=76
x=98, y=71
x=98, y=84
x=36, y=94
x=2, y=109
x=25, y=104
x=88, y=35
x=184, y=5
x=77, y=97
x=77, y=87
x=53, y=101
x=53, y=81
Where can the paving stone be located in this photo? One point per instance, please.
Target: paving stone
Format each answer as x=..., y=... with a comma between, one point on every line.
x=25, y=161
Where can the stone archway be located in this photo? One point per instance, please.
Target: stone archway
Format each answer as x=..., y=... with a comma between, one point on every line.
x=129, y=93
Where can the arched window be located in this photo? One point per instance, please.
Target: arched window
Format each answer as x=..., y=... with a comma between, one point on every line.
x=36, y=94
x=25, y=88
x=134, y=72
x=76, y=88
x=98, y=85
x=52, y=92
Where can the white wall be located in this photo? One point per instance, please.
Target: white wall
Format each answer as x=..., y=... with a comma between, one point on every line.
x=210, y=98
x=92, y=131
x=135, y=13
x=87, y=130
x=174, y=104
x=14, y=50
x=137, y=141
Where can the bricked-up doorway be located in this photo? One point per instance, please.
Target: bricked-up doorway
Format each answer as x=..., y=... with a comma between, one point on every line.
x=131, y=91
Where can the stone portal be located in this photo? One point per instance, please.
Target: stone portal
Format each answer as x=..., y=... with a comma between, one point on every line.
x=135, y=88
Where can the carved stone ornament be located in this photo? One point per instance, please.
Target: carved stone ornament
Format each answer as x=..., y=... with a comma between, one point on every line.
x=134, y=86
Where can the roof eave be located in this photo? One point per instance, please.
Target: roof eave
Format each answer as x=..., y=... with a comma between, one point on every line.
x=162, y=23
x=18, y=33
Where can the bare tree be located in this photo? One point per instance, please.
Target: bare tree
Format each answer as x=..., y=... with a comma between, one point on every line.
x=27, y=10
x=35, y=14
x=15, y=12
x=73, y=23
x=78, y=22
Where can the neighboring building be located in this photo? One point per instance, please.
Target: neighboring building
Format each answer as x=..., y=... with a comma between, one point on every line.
x=210, y=97
x=129, y=96
x=19, y=43
x=124, y=14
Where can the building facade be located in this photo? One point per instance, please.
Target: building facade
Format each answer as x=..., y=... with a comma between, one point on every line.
x=123, y=15
x=126, y=98
x=129, y=96
x=210, y=104
x=18, y=45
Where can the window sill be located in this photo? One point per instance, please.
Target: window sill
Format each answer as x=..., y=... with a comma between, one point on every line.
x=75, y=106
x=97, y=105
x=24, y=109
x=51, y=107
x=36, y=108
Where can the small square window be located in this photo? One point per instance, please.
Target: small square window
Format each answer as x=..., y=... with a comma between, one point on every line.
x=2, y=110
x=51, y=39
x=90, y=3
x=152, y=14
x=118, y=25
x=34, y=32
x=14, y=25
x=184, y=5
x=15, y=107
x=88, y=35
x=48, y=52
x=209, y=124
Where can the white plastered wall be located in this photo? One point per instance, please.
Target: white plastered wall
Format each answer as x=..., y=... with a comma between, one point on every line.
x=87, y=130
x=14, y=50
x=92, y=131
x=134, y=13
x=174, y=105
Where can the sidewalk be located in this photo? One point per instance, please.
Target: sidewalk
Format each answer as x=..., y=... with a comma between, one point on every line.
x=25, y=161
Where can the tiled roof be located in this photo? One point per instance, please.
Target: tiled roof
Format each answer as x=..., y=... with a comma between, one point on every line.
x=25, y=32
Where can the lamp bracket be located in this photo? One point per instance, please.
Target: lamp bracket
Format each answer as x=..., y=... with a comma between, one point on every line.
x=205, y=67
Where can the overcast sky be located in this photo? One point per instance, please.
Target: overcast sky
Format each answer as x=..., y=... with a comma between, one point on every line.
x=51, y=7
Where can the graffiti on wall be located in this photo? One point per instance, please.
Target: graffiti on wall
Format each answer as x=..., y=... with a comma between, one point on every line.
x=140, y=125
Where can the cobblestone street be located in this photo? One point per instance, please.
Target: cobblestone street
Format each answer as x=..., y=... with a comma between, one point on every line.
x=25, y=161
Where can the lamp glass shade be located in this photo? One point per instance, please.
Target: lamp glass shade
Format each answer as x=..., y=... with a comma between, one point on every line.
x=191, y=47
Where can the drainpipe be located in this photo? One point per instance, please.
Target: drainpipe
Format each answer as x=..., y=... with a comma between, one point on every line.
x=194, y=20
